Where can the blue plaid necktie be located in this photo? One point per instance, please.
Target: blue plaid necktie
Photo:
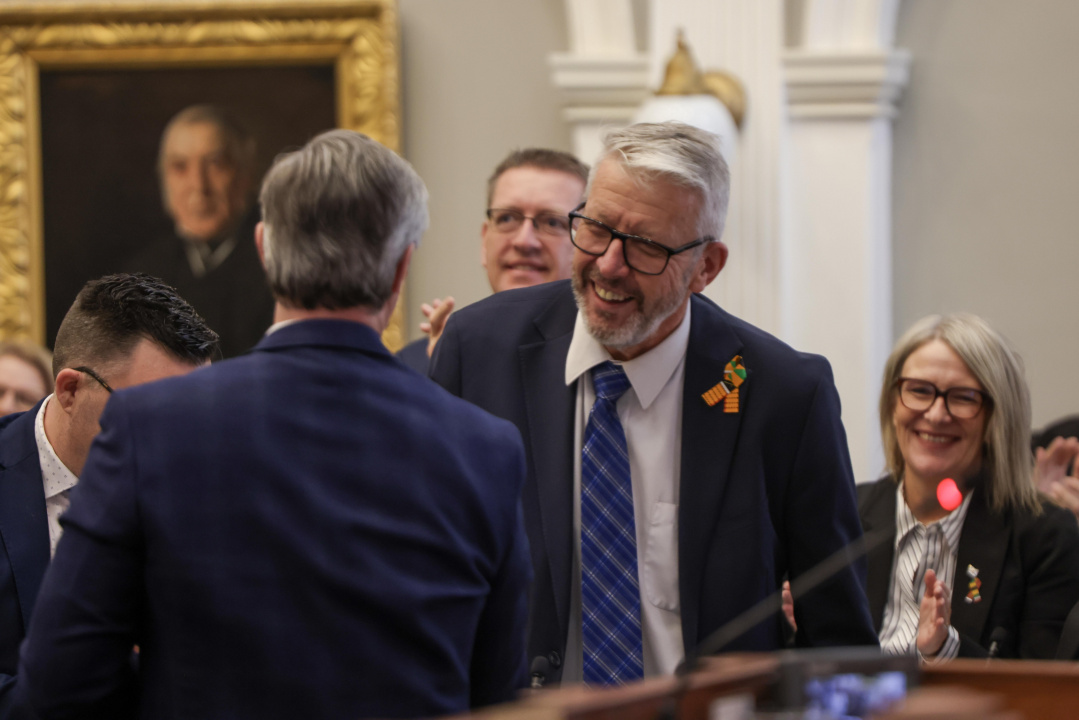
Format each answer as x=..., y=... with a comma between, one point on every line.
x=610, y=593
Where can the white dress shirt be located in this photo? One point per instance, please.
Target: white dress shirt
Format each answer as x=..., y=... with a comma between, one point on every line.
x=56, y=477
x=913, y=543
x=651, y=416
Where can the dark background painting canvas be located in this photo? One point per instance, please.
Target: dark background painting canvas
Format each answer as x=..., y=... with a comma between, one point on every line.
x=100, y=131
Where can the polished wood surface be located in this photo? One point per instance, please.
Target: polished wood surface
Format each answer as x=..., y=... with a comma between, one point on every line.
x=1036, y=689
x=723, y=676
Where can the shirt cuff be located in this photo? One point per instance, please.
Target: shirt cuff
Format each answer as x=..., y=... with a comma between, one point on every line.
x=948, y=651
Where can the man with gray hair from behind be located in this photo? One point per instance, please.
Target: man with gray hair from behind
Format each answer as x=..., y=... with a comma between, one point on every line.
x=306, y=530
x=682, y=461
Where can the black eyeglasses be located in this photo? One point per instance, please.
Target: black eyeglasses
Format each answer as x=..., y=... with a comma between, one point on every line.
x=94, y=375
x=643, y=255
x=961, y=402
x=508, y=220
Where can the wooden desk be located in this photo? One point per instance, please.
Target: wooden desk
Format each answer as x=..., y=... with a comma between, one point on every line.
x=719, y=676
x=1040, y=690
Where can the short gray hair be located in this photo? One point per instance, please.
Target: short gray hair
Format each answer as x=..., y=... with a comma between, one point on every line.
x=998, y=367
x=678, y=153
x=339, y=214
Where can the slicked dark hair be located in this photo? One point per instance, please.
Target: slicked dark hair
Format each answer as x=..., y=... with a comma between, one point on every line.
x=112, y=314
x=541, y=158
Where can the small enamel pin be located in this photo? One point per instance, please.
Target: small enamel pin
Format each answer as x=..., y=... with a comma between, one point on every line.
x=727, y=388
x=974, y=586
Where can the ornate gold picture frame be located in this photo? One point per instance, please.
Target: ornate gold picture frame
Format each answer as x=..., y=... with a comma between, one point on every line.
x=357, y=37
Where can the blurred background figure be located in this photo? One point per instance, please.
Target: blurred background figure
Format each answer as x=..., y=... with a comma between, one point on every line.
x=206, y=166
x=25, y=376
x=1055, y=473
x=525, y=238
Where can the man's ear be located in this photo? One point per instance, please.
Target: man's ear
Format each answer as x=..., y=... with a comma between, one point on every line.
x=258, y=243
x=711, y=262
x=67, y=386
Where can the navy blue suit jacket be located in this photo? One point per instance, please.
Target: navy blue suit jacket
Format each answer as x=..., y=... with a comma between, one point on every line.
x=310, y=530
x=415, y=356
x=764, y=491
x=24, y=529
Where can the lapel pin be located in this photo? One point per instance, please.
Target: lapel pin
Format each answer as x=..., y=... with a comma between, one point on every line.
x=974, y=593
x=972, y=571
x=734, y=374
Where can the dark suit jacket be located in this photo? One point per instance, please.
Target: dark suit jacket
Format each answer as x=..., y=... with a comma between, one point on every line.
x=24, y=529
x=1028, y=565
x=233, y=298
x=764, y=492
x=415, y=356
x=310, y=530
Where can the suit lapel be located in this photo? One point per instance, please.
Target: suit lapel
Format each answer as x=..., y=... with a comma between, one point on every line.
x=878, y=515
x=24, y=526
x=709, y=436
x=549, y=407
x=984, y=545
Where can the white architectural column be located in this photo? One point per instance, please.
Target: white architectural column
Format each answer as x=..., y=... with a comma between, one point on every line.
x=843, y=79
x=603, y=77
x=744, y=38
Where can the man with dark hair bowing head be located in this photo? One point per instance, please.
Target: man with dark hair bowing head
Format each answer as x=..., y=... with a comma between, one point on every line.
x=681, y=461
x=307, y=530
x=122, y=330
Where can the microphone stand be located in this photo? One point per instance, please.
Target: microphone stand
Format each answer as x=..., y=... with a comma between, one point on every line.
x=766, y=608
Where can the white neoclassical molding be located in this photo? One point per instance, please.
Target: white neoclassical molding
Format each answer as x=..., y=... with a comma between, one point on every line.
x=597, y=81
x=843, y=80
x=601, y=28
x=744, y=38
x=843, y=24
x=845, y=84
x=603, y=77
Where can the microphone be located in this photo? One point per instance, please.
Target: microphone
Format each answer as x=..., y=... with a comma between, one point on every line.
x=997, y=639
x=769, y=606
x=539, y=669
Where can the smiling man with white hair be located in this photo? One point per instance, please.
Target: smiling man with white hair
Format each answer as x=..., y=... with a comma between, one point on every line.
x=682, y=461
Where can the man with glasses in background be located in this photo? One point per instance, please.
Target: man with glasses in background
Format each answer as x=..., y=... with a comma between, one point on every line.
x=681, y=460
x=525, y=239
x=122, y=330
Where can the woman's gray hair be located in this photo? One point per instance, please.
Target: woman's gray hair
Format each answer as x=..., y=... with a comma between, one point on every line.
x=1007, y=461
x=338, y=216
x=679, y=153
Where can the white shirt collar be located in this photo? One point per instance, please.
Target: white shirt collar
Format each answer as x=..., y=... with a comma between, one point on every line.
x=278, y=325
x=56, y=476
x=647, y=373
x=951, y=525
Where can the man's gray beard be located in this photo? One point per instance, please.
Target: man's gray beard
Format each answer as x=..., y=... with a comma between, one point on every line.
x=635, y=331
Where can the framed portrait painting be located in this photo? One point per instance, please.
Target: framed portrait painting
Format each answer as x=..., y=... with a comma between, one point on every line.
x=86, y=90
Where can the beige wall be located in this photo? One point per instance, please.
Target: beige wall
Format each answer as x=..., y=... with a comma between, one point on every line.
x=476, y=85
x=986, y=158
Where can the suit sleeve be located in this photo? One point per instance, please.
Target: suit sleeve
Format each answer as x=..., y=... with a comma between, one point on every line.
x=77, y=658
x=499, y=659
x=821, y=518
x=445, y=367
